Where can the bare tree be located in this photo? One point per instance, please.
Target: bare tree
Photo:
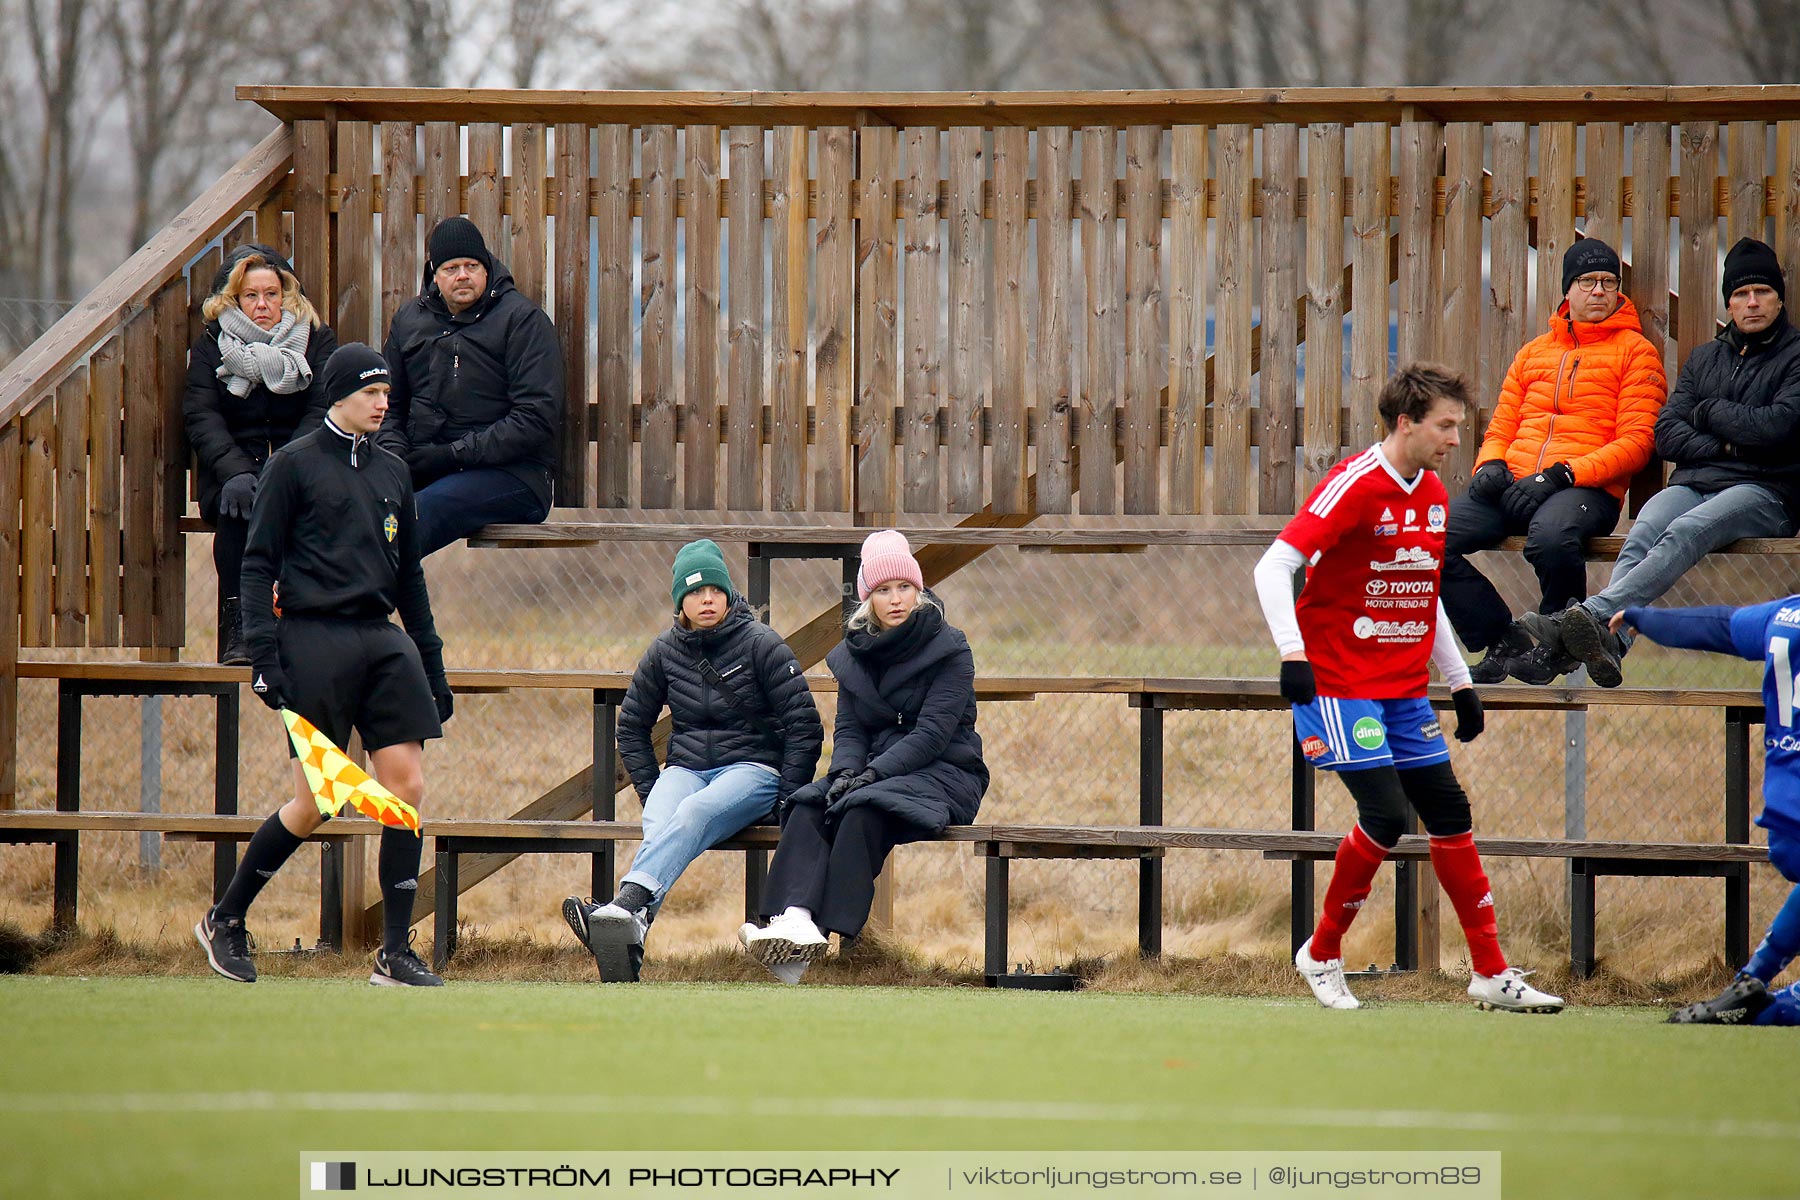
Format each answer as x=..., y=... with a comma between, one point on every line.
x=164, y=51
x=58, y=39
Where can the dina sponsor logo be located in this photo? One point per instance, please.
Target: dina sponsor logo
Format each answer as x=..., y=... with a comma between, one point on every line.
x=1407, y=558
x=1368, y=733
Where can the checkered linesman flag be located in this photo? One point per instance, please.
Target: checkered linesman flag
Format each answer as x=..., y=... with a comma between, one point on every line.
x=336, y=781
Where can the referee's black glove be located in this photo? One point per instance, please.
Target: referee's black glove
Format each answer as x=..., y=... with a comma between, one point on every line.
x=270, y=685
x=1470, y=720
x=444, y=698
x=1297, y=682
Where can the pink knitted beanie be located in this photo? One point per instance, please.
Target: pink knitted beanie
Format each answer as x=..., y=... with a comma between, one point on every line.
x=885, y=557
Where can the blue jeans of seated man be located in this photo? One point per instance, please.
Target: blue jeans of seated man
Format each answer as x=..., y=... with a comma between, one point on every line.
x=689, y=812
x=460, y=503
x=1676, y=529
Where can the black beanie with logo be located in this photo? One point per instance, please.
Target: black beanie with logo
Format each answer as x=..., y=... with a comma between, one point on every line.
x=1585, y=257
x=352, y=367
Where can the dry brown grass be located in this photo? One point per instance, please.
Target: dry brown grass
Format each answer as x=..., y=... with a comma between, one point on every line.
x=1651, y=774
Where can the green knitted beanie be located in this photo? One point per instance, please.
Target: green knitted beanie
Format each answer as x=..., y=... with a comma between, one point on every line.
x=698, y=564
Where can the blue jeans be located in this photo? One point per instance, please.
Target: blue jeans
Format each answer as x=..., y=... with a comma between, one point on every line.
x=689, y=812
x=458, y=504
x=1676, y=529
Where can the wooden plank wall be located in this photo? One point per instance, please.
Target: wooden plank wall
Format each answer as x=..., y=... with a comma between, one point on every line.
x=883, y=321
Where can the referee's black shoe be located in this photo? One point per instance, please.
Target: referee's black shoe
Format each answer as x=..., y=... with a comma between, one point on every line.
x=227, y=946
x=402, y=968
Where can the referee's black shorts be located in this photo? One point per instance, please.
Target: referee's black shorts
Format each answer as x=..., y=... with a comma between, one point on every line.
x=362, y=675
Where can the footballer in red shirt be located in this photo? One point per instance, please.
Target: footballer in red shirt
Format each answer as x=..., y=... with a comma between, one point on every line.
x=1355, y=649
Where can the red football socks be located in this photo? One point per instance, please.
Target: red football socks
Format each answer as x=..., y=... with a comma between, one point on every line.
x=1458, y=867
x=1359, y=856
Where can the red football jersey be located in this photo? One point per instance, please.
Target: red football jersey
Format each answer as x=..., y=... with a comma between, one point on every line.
x=1374, y=545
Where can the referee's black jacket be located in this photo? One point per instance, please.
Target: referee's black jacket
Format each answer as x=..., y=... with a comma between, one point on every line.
x=334, y=523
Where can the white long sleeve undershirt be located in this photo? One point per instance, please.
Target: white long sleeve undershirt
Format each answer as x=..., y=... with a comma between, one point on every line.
x=1274, y=576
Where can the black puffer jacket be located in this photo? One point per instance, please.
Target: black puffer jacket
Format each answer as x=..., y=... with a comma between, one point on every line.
x=233, y=434
x=906, y=710
x=1734, y=416
x=708, y=730
x=488, y=380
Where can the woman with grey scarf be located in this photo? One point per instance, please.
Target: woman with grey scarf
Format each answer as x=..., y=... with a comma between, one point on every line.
x=252, y=387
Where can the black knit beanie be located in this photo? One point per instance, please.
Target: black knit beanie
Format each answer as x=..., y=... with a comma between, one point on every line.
x=352, y=367
x=454, y=238
x=253, y=250
x=1751, y=261
x=1586, y=256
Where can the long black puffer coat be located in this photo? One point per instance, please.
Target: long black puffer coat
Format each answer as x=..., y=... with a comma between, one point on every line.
x=906, y=710
x=234, y=434
x=487, y=380
x=708, y=731
x=1734, y=414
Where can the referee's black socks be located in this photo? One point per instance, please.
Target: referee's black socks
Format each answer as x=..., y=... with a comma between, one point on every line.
x=398, y=867
x=270, y=846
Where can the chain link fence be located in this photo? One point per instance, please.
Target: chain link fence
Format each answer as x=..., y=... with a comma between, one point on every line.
x=1639, y=773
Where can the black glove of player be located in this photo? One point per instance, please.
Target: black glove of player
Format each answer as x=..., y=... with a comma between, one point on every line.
x=444, y=698
x=238, y=494
x=1490, y=481
x=432, y=461
x=838, y=799
x=269, y=683
x=1528, y=494
x=1470, y=720
x=1297, y=682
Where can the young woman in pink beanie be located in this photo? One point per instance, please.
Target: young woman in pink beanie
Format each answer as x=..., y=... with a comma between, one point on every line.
x=905, y=762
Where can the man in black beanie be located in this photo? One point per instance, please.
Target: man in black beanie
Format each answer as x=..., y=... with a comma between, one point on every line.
x=333, y=525
x=477, y=403
x=1732, y=429
x=1574, y=422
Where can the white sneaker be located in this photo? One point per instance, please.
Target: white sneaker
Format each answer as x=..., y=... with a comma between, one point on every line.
x=1508, y=992
x=1326, y=979
x=611, y=923
x=785, y=939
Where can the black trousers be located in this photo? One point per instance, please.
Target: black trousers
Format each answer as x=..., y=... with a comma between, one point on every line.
x=1553, y=539
x=832, y=871
x=230, y=537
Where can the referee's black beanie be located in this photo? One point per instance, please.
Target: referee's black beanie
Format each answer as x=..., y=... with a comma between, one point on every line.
x=352, y=367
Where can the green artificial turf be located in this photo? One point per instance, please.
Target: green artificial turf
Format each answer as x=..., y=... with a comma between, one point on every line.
x=166, y=1087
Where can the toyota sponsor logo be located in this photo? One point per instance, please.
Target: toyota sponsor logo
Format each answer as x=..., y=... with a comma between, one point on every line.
x=1400, y=587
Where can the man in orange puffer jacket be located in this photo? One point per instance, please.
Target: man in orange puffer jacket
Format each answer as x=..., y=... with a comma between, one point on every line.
x=1576, y=420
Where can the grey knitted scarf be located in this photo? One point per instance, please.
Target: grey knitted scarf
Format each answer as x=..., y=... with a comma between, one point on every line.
x=275, y=358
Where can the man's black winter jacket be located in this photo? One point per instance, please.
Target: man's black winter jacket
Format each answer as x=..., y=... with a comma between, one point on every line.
x=1734, y=414
x=487, y=380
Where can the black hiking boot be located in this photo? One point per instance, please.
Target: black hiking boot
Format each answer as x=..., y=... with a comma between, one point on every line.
x=1541, y=665
x=234, y=651
x=1511, y=643
x=1600, y=649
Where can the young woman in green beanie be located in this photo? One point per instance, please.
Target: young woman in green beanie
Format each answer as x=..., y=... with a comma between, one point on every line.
x=745, y=735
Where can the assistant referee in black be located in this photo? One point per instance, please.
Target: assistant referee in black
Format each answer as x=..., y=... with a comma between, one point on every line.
x=334, y=525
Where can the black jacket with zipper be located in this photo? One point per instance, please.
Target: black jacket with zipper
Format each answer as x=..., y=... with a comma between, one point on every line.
x=709, y=731
x=334, y=524
x=234, y=434
x=487, y=380
x=910, y=718
x=1734, y=415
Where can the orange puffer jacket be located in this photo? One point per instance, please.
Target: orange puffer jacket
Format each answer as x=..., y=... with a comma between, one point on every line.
x=1584, y=394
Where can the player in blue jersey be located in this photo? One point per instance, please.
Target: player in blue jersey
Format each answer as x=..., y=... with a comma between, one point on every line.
x=1770, y=633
